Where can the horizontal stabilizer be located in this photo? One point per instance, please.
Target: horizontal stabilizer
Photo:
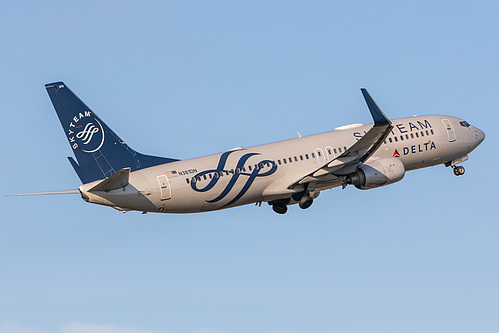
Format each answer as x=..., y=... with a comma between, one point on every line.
x=76, y=191
x=114, y=182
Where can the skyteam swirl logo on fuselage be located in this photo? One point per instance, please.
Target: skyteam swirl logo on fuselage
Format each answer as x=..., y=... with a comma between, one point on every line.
x=86, y=132
x=249, y=177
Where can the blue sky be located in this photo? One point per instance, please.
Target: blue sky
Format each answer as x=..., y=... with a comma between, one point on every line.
x=184, y=79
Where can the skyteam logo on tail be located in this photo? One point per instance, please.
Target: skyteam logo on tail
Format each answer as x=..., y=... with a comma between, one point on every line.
x=86, y=132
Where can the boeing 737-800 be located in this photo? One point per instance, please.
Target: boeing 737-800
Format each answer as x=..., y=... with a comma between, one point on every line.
x=281, y=173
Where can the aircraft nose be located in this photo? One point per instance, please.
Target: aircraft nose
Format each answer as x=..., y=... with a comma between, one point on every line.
x=480, y=135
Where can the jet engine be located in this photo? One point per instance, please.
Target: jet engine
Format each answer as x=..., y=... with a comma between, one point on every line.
x=377, y=173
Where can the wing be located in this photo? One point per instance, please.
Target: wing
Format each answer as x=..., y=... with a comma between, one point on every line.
x=358, y=153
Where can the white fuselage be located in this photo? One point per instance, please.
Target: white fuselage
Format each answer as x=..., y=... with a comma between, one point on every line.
x=263, y=173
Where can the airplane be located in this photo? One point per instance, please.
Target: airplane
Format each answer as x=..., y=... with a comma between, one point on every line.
x=282, y=173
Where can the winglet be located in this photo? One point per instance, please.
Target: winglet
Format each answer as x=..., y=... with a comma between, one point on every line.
x=378, y=116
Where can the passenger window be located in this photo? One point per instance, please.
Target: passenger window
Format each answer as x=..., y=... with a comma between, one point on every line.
x=401, y=138
x=306, y=156
x=417, y=135
x=422, y=133
x=249, y=167
x=319, y=153
x=345, y=148
x=313, y=155
x=284, y=160
x=432, y=132
x=407, y=136
x=279, y=162
x=427, y=133
x=334, y=149
x=390, y=139
x=412, y=136
x=187, y=180
x=204, y=176
x=296, y=159
x=290, y=160
x=301, y=157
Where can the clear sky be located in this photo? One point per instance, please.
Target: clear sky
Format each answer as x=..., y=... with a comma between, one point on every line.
x=189, y=78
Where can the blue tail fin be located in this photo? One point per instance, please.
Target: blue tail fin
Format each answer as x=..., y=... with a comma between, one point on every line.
x=99, y=151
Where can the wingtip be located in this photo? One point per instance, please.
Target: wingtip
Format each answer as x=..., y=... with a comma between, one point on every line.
x=380, y=119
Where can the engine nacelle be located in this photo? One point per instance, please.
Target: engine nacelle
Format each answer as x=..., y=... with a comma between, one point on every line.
x=377, y=173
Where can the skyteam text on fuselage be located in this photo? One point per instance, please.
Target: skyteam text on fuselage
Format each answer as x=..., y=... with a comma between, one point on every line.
x=283, y=173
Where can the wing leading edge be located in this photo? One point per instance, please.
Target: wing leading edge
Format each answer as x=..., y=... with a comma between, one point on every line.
x=358, y=153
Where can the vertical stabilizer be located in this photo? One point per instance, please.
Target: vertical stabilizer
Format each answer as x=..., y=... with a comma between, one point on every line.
x=98, y=150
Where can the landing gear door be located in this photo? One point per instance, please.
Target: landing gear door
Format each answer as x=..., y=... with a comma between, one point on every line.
x=450, y=130
x=164, y=186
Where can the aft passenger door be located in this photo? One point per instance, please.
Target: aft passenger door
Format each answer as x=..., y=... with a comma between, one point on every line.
x=164, y=186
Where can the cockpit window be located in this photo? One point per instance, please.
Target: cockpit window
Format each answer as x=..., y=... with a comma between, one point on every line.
x=464, y=123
